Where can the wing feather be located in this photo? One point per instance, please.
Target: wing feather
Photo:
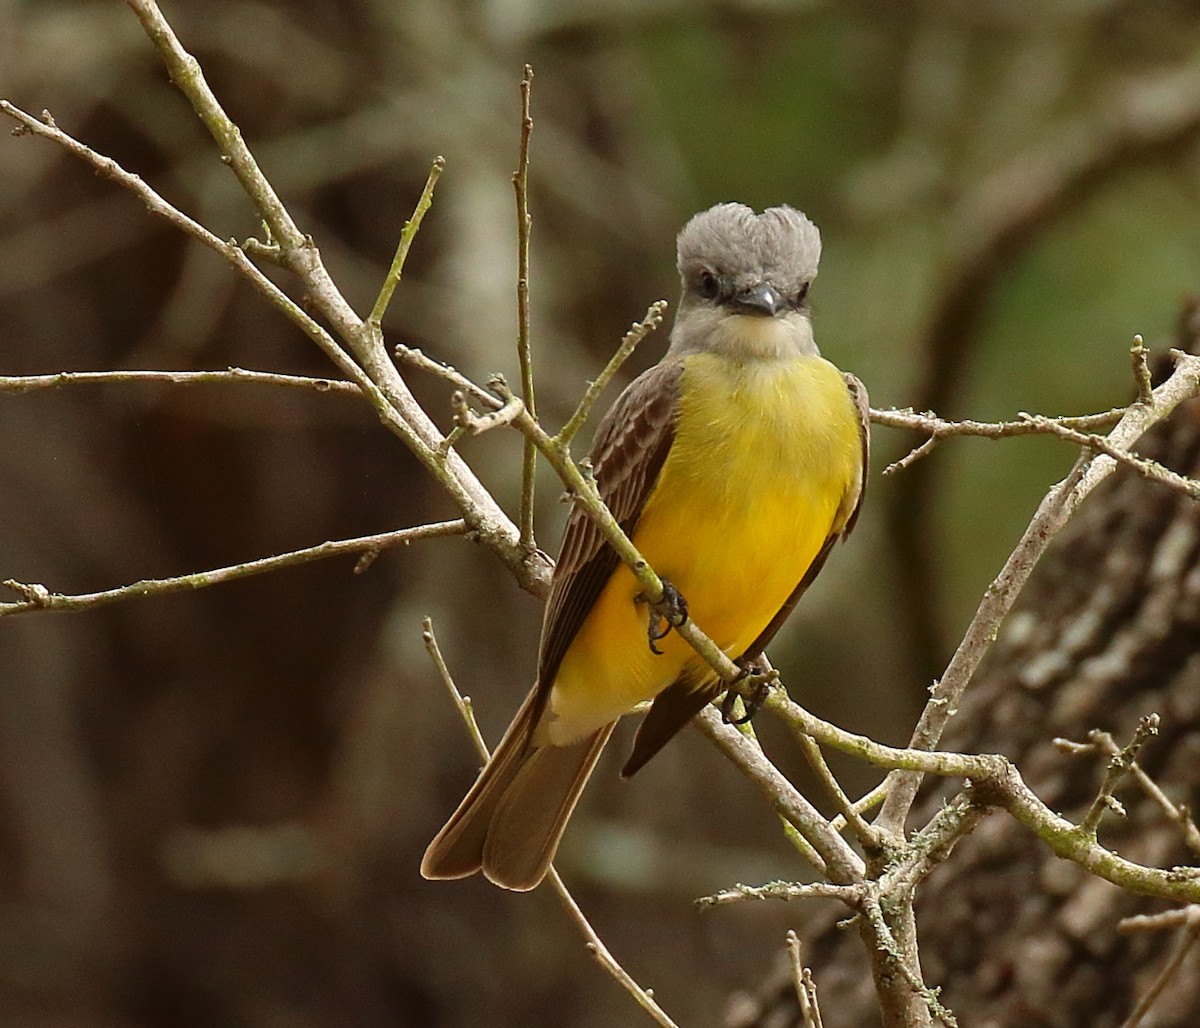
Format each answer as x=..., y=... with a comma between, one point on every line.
x=631, y=445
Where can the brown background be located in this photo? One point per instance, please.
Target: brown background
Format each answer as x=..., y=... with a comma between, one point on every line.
x=212, y=806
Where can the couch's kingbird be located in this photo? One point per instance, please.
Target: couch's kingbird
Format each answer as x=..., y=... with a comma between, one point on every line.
x=734, y=464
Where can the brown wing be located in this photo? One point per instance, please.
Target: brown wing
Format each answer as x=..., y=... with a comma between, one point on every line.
x=630, y=446
x=843, y=524
x=672, y=708
x=862, y=404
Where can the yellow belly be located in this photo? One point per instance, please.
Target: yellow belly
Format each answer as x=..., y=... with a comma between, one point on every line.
x=764, y=454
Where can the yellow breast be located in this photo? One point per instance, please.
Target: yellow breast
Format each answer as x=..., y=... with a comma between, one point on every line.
x=765, y=453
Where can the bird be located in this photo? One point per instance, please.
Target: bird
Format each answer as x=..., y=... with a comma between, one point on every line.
x=734, y=465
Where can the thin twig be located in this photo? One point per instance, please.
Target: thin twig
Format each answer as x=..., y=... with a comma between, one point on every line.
x=1188, y=935
x=791, y=832
x=462, y=703
x=637, y=332
x=816, y=760
x=232, y=253
x=1139, y=357
x=468, y=423
x=1149, y=469
x=867, y=802
x=412, y=355
x=38, y=597
x=407, y=234
x=932, y=424
x=1177, y=813
x=1119, y=765
x=938, y=428
x=838, y=862
x=524, y=348
x=1162, y=921
x=806, y=989
x=643, y=997
x=913, y=455
x=30, y=383
x=786, y=891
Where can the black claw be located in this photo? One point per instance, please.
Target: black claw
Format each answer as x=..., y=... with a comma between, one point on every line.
x=753, y=685
x=669, y=612
x=731, y=697
x=675, y=606
x=657, y=628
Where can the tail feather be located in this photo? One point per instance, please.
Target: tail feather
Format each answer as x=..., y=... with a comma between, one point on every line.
x=510, y=822
x=525, y=828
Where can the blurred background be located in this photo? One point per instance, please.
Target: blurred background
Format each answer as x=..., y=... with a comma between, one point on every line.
x=212, y=806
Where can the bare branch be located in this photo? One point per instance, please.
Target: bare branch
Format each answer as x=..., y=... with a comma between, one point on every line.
x=524, y=351
x=1098, y=444
x=939, y=428
x=407, y=234
x=637, y=332
x=1177, y=813
x=913, y=455
x=816, y=760
x=187, y=75
x=1163, y=921
x=468, y=423
x=394, y=404
x=787, y=891
x=806, y=989
x=832, y=857
x=868, y=802
x=1188, y=934
x=461, y=703
x=1138, y=355
x=412, y=355
x=38, y=597
x=1120, y=764
x=1057, y=506
x=932, y=424
x=31, y=383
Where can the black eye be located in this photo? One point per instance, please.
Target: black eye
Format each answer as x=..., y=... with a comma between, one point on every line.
x=802, y=295
x=707, y=285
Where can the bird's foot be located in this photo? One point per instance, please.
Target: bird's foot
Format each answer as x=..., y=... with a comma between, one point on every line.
x=669, y=612
x=752, y=686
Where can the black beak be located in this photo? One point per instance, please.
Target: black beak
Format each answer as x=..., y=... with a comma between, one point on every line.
x=758, y=299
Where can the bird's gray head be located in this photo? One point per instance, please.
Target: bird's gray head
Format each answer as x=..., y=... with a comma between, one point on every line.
x=745, y=282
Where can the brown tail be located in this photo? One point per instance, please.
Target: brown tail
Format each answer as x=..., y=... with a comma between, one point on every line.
x=510, y=822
